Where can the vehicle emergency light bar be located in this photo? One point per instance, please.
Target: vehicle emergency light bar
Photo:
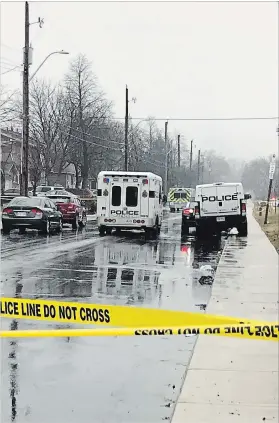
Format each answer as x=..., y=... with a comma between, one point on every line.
x=125, y=176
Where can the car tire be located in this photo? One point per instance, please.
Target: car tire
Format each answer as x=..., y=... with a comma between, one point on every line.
x=22, y=231
x=243, y=229
x=46, y=228
x=118, y=231
x=82, y=223
x=75, y=223
x=59, y=229
x=6, y=229
x=108, y=231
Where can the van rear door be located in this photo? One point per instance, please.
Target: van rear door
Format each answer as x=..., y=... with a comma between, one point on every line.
x=116, y=199
x=132, y=197
x=228, y=199
x=208, y=206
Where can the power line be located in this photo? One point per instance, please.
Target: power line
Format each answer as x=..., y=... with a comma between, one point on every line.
x=10, y=70
x=202, y=119
x=94, y=136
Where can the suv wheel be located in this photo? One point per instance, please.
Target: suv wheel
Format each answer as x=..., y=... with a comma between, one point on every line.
x=83, y=221
x=59, y=228
x=75, y=223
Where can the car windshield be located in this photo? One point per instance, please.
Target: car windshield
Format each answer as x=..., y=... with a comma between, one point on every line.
x=24, y=201
x=43, y=189
x=60, y=199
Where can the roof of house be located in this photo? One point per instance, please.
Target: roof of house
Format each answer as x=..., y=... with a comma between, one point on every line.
x=68, y=169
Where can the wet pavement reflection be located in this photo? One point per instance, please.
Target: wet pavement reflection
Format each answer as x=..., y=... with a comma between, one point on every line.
x=101, y=379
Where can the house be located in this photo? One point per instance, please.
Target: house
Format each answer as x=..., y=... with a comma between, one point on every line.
x=11, y=145
x=10, y=158
x=66, y=177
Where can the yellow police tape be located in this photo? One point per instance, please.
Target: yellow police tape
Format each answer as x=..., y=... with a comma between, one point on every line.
x=263, y=332
x=108, y=315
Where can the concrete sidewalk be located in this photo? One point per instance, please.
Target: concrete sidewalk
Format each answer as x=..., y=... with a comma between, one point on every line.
x=236, y=380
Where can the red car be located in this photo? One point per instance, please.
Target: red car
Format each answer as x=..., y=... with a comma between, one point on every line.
x=69, y=205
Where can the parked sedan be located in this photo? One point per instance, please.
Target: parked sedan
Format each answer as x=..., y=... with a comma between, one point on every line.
x=69, y=205
x=188, y=218
x=12, y=192
x=33, y=213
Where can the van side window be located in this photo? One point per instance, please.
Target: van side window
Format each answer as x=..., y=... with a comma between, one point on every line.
x=116, y=196
x=131, y=196
x=99, y=193
x=151, y=194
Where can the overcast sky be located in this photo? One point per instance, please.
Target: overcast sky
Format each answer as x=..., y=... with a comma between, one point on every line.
x=180, y=60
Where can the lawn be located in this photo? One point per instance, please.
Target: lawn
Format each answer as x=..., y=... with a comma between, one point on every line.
x=271, y=229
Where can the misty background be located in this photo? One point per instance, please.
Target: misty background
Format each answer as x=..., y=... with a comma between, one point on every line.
x=179, y=60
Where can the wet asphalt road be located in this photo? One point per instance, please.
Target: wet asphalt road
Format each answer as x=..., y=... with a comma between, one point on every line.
x=110, y=380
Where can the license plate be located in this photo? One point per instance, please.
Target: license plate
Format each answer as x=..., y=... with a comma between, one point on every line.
x=220, y=219
x=21, y=214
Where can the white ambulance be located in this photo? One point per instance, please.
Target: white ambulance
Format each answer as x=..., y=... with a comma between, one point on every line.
x=129, y=200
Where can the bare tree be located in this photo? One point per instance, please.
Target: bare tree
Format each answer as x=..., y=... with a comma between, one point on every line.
x=48, y=130
x=7, y=110
x=91, y=111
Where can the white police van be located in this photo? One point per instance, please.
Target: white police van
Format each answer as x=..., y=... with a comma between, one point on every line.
x=220, y=206
x=129, y=200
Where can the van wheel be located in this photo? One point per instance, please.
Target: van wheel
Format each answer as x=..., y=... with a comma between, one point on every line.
x=199, y=231
x=108, y=231
x=102, y=230
x=243, y=229
x=118, y=231
x=148, y=232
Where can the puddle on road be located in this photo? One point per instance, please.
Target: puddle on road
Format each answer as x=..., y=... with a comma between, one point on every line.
x=118, y=270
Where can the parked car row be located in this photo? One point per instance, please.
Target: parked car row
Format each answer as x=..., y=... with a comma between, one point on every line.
x=44, y=213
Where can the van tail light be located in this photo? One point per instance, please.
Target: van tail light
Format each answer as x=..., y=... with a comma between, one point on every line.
x=145, y=181
x=7, y=211
x=243, y=208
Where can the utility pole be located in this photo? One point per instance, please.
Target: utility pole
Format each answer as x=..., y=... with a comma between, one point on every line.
x=191, y=155
x=199, y=163
x=25, y=114
x=202, y=170
x=178, y=150
x=126, y=128
x=166, y=159
x=271, y=174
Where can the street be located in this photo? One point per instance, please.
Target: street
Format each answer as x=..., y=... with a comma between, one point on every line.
x=100, y=379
